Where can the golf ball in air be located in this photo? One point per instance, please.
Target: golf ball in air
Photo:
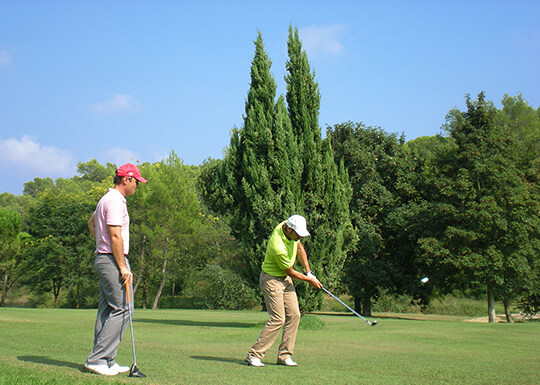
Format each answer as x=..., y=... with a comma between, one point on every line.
x=424, y=280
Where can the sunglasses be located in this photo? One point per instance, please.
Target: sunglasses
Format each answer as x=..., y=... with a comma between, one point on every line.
x=136, y=181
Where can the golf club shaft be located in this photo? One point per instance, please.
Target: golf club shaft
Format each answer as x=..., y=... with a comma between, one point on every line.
x=131, y=325
x=344, y=304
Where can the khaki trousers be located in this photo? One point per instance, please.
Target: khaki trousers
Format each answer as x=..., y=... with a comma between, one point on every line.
x=282, y=305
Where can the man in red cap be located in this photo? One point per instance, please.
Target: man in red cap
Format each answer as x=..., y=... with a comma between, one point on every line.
x=109, y=226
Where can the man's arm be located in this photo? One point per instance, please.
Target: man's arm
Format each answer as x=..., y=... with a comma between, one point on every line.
x=297, y=275
x=302, y=256
x=92, y=225
x=117, y=246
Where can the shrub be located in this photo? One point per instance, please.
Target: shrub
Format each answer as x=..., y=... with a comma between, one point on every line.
x=451, y=305
x=178, y=302
x=218, y=288
x=311, y=322
x=529, y=304
x=401, y=303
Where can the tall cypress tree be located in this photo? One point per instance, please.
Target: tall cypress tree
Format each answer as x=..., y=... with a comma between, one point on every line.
x=255, y=185
x=255, y=199
x=277, y=165
x=325, y=191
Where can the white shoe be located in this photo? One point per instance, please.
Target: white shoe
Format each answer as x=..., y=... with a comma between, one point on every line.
x=119, y=369
x=288, y=362
x=102, y=369
x=254, y=361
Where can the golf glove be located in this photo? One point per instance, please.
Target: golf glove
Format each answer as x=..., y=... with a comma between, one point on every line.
x=311, y=275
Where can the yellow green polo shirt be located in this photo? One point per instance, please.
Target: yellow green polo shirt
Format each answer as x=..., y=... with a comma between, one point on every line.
x=280, y=253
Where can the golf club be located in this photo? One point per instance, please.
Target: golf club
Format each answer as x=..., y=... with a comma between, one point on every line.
x=344, y=304
x=133, y=371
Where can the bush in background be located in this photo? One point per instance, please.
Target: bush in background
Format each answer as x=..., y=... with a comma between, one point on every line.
x=311, y=322
x=396, y=304
x=219, y=288
x=441, y=305
x=452, y=305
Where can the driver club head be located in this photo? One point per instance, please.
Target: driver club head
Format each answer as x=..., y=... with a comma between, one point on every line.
x=373, y=323
x=134, y=372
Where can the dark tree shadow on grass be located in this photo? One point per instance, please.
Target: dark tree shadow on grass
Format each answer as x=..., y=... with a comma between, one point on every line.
x=49, y=361
x=220, y=359
x=196, y=323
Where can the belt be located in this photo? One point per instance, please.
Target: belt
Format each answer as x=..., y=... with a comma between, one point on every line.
x=125, y=255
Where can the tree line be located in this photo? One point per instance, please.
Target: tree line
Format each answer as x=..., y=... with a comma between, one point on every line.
x=461, y=208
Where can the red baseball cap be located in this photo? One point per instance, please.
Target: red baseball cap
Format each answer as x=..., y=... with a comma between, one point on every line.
x=132, y=171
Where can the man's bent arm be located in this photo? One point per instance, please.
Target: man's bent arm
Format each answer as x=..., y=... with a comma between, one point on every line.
x=92, y=225
x=302, y=257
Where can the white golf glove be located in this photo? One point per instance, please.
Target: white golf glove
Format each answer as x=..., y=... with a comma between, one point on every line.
x=311, y=275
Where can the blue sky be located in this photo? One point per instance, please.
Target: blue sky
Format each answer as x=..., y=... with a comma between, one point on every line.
x=129, y=81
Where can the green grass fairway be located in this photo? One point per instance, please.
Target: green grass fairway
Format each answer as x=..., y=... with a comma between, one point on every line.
x=46, y=346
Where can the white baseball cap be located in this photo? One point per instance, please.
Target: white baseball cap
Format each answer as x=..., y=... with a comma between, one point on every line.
x=298, y=224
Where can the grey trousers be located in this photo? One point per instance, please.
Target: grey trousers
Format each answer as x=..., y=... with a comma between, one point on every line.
x=113, y=313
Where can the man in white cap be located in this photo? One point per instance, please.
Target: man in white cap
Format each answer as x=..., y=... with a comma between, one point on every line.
x=278, y=290
x=109, y=225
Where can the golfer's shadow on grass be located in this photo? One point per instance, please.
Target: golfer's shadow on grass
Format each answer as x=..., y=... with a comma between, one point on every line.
x=220, y=359
x=50, y=361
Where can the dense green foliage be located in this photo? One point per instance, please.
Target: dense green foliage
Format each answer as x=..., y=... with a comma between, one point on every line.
x=217, y=288
x=171, y=240
x=384, y=179
x=10, y=245
x=486, y=216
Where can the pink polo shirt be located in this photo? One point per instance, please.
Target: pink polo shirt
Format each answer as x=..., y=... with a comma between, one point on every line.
x=111, y=210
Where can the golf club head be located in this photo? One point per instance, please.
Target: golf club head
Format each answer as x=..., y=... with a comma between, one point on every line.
x=134, y=372
x=373, y=323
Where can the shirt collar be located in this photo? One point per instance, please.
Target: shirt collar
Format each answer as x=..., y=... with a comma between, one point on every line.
x=119, y=193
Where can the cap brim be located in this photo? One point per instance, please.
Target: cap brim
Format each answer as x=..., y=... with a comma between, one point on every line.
x=303, y=233
x=140, y=179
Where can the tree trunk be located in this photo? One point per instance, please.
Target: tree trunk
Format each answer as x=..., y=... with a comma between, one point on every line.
x=144, y=293
x=358, y=304
x=56, y=293
x=164, y=274
x=367, y=306
x=4, y=290
x=78, y=301
x=507, y=312
x=8, y=284
x=141, y=270
x=163, y=277
x=491, y=304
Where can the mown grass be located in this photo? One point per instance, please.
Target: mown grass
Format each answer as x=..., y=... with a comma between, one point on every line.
x=46, y=346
